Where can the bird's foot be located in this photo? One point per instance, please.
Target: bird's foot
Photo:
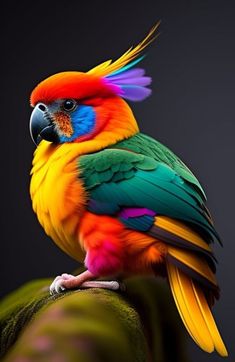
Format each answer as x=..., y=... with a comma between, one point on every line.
x=67, y=281
x=57, y=286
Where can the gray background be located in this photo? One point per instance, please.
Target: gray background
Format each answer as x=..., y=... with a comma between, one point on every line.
x=191, y=110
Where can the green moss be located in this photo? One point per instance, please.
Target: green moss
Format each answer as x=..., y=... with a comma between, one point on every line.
x=26, y=293
x=91, y=325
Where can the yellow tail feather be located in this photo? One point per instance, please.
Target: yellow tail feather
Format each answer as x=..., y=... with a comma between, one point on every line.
x=180, y=229
x=194, y=311
x=217, y=340
x=196, y=263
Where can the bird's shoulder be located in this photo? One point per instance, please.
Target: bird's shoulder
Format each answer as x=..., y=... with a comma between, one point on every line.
x=112, y=165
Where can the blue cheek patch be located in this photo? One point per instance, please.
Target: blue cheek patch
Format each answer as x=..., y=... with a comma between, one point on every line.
x=83, y=122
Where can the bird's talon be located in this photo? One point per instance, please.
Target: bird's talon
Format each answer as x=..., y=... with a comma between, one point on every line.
x=57, y=284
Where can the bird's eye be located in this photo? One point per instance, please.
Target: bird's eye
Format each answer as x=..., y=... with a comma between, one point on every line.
x=69, y=105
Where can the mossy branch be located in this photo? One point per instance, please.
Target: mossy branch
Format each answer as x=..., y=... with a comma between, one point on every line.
x=140, y=324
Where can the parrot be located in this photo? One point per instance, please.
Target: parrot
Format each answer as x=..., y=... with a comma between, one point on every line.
x=116, y=199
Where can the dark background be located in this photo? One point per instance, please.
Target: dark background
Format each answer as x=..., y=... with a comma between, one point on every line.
x=191, y=110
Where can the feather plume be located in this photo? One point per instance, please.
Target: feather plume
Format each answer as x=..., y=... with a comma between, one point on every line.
x=108, y=67
x=128, y=83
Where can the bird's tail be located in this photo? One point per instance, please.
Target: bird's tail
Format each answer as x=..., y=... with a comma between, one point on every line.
x=192, y=282
x=194, y=311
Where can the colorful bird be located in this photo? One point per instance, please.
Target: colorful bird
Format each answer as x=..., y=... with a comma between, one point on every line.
x=114, y=197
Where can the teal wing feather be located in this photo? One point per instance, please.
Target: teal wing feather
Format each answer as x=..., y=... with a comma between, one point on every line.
x=141, y=143
x=118, y=178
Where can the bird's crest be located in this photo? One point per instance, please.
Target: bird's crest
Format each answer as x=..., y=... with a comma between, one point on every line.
x=129, y=83
x=119, y=77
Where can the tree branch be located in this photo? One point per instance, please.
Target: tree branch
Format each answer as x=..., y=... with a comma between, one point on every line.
x=139, y=324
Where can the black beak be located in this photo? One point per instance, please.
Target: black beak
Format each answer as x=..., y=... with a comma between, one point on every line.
x=41, y=126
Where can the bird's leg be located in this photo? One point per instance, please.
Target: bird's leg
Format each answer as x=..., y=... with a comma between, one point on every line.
x=104, y=255
x=83, y=280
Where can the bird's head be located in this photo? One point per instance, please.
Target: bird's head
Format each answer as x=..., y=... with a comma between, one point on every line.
x=74, y=106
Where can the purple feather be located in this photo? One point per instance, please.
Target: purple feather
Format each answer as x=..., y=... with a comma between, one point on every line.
x=130, y=84
x=142, y=81
x=135, y=93
x=135, y=212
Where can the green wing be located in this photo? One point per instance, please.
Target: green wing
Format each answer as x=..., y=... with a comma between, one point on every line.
x=118, y=178
x=143, y=144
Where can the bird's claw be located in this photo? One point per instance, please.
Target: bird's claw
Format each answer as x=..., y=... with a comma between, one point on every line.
x=57, y=286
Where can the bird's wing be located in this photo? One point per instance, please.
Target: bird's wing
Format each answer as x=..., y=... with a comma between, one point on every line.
x=141, y=143
x=117, y=178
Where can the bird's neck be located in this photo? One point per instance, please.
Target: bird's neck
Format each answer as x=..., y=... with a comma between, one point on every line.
x=120, y=122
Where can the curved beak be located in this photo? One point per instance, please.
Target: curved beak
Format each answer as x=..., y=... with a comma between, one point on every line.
x=41, y=126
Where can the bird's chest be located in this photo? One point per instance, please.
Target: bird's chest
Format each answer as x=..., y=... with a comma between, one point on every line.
x=59, y=199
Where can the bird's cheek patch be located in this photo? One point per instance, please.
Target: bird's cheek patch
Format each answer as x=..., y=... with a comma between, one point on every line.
x=63, y=124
